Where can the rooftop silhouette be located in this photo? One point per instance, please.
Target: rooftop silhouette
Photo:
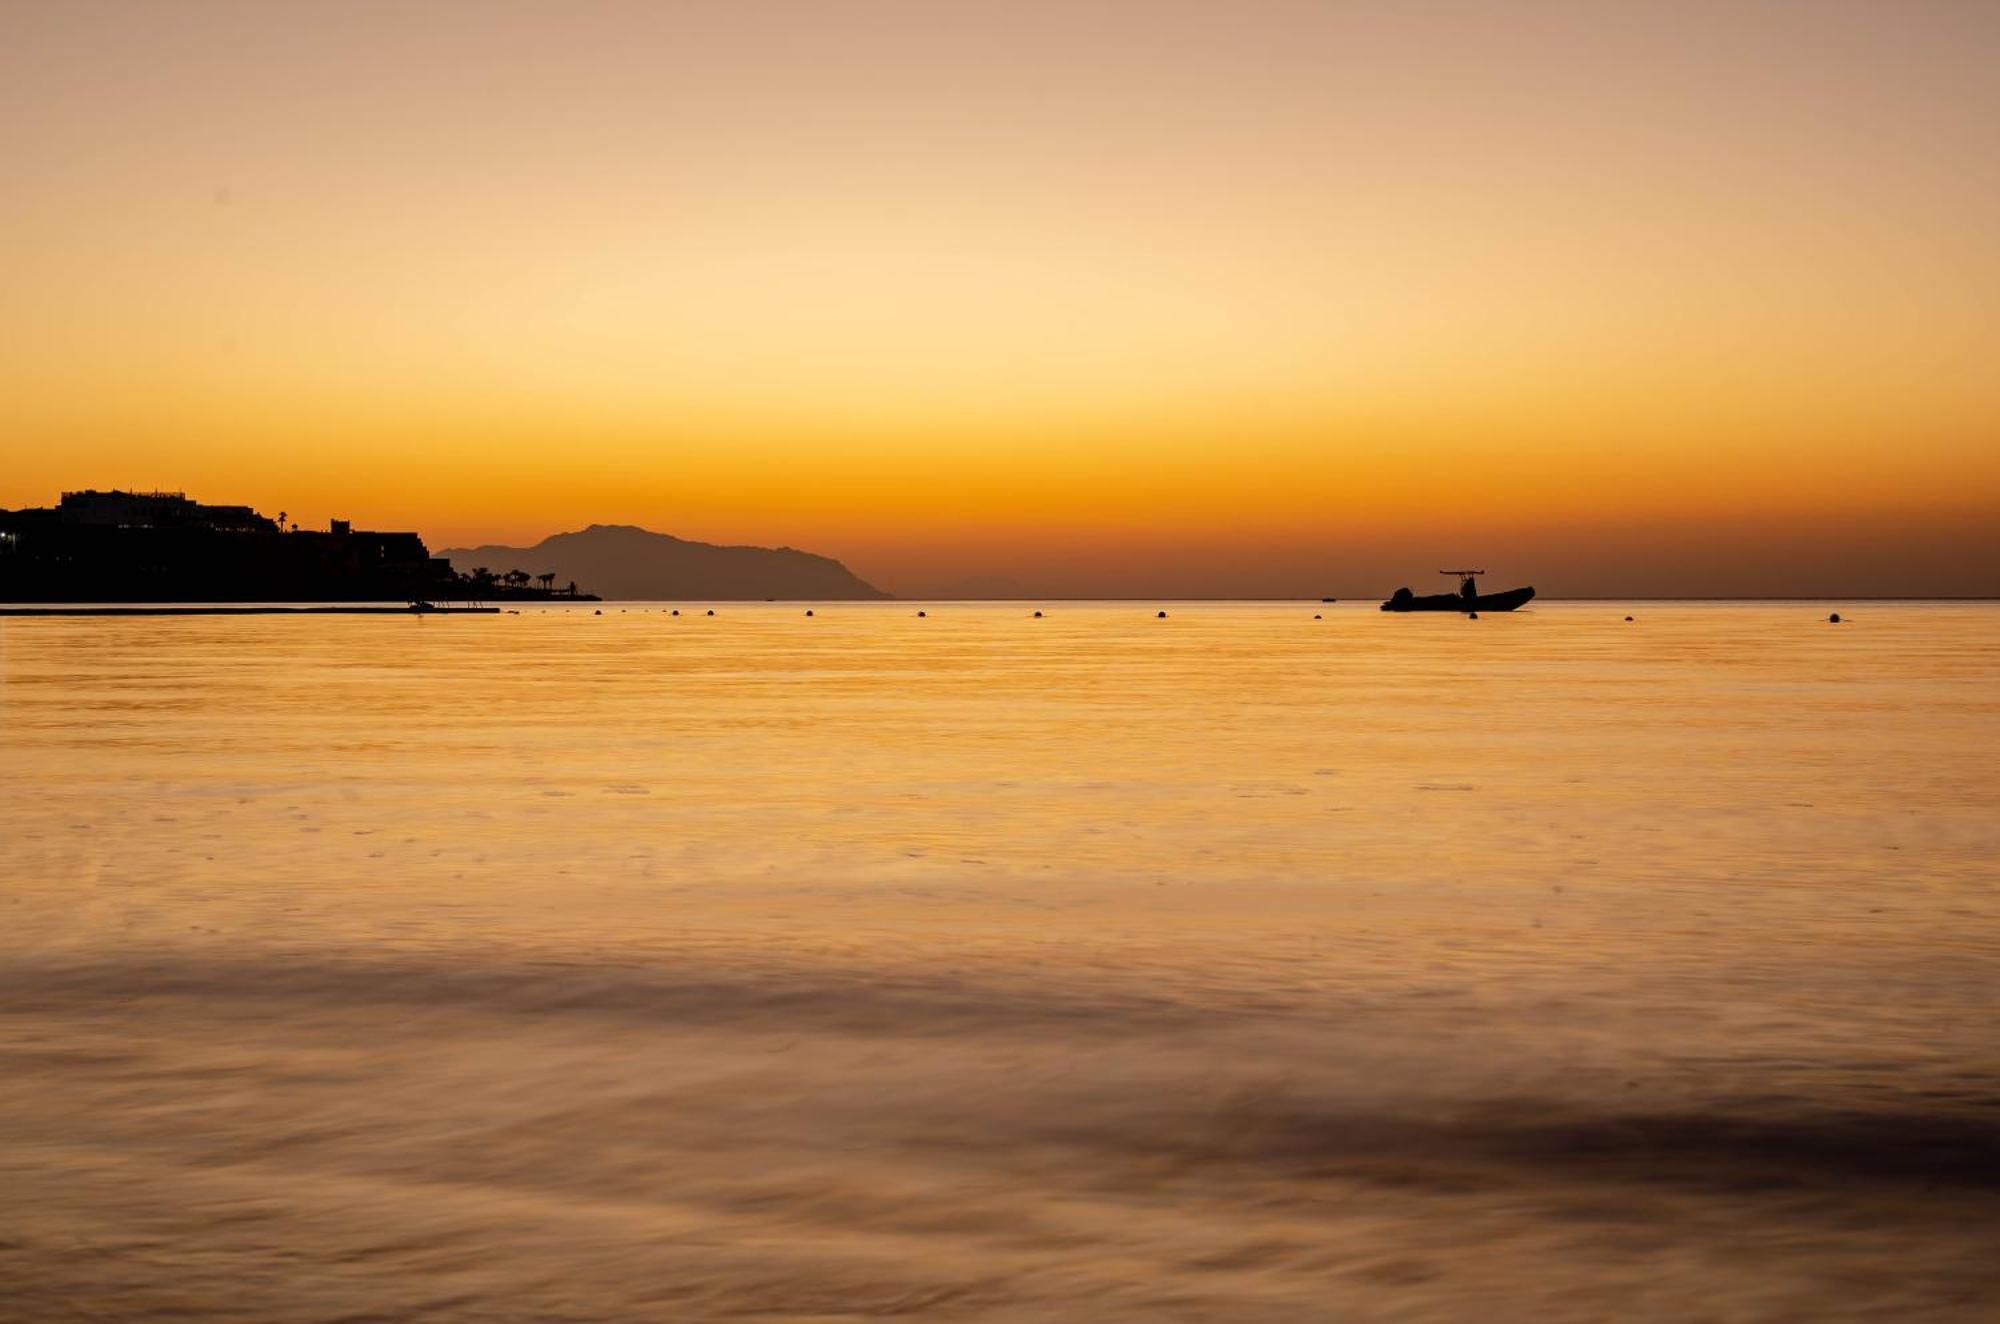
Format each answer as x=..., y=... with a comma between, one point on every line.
x=120, y=546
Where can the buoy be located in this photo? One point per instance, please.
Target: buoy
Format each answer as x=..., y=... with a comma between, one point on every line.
x=1628, y=618
x=677, y=611
x=809, y=611
x=1038, y=615
x=711, y=611
x=1473, y=615
x=1835, y=618
x=920, y=613
x=1163, y=616
x=598, y=612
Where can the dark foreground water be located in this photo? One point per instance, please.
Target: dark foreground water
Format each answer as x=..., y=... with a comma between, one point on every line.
x=1235, y=966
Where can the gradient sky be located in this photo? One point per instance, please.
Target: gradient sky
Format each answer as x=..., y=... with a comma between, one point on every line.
x=1261, y=299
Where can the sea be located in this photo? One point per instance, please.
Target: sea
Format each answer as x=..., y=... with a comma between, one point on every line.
x=817, y=962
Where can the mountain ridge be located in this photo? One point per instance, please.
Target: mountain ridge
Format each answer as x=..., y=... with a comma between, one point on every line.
x=630, y=562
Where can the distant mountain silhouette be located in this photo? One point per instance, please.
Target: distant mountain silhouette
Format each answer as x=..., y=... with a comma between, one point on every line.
x=625, y=561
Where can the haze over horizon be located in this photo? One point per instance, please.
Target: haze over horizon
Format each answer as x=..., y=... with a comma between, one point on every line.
x=1080, y=300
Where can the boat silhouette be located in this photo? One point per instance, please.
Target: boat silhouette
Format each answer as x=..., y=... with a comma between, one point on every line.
x=1467, y=599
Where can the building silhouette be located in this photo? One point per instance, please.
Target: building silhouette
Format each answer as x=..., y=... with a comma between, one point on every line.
x=122, y=546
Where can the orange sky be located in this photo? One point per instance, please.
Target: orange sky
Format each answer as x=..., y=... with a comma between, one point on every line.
x=1045, y=298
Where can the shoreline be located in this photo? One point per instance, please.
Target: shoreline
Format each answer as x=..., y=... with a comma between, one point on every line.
x=248, y=611
x=362, y=609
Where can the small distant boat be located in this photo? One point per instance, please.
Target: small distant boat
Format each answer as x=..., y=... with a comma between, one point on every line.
x=1467, y=599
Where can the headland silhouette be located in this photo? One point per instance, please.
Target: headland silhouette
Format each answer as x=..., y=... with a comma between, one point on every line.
x=625, y=561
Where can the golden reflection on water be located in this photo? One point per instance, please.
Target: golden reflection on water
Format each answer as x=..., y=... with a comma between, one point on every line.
x=1236, y=965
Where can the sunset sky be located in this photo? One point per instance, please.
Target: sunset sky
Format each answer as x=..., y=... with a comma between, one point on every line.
x=1063, y=298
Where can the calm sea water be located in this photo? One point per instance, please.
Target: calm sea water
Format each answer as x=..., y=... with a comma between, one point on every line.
x=1234, y=966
